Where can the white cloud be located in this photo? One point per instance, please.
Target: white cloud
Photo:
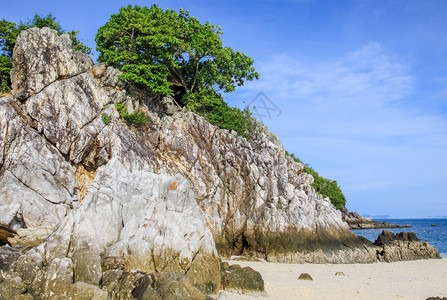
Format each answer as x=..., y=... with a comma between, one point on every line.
x=353, y=119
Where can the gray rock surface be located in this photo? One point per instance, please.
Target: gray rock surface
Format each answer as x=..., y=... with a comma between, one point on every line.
x=8, y=255
x=12, y=287
x=105, y=204
x=254, y=199
x=166, y=286
x=44, y=58
x=35, y=178
x=243, y=281
x=403, y=246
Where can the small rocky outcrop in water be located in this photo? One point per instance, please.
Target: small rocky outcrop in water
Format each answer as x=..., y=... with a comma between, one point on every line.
x=403, y=246
x=104, y=210
x=356, y=221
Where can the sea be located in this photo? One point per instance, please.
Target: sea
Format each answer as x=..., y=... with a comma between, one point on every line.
x=435, y=235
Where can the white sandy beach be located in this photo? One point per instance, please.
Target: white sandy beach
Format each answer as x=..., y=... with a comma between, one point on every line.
x=400, y=280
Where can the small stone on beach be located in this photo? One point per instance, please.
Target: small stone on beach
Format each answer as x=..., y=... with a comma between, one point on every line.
x=305, y=276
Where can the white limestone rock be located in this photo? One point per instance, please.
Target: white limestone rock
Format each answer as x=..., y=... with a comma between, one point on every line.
x=41, y=57
x=33, y=175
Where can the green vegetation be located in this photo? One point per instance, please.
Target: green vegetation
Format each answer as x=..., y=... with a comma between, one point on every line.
x=105, y=119
x=173, y=53
x=325, y=187
x=216, y=111
x=8, y=36
x=5, y=70
x=137, y=118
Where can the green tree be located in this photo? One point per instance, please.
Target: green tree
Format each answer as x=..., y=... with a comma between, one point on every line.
x=157, y=48
x=325, y=187
x=8, y=36
x=5, y=70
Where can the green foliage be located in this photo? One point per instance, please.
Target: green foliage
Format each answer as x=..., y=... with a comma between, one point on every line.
x=76, y=44
x=105, y=119
x=215, y=110
x=122, y=109
x=325, y=187
x=137, y=118
x=8, y=37
x=156, y=48
x=5, y=70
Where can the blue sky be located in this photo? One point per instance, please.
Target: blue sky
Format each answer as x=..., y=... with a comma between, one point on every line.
x=361, y=86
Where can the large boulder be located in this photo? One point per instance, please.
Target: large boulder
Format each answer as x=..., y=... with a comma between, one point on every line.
x=128, y=221
x=243, y=280
x=41, y=57
x=150, y=221
x=403, y=246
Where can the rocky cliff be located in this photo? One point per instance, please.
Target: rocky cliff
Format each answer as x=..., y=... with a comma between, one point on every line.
x=104, y=202
x=356, y=221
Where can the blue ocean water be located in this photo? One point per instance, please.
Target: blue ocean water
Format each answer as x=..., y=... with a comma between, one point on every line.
x=436, y=236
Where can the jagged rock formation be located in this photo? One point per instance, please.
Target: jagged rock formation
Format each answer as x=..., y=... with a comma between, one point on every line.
x=356, y=221
x=103, y=205
x=403, y=246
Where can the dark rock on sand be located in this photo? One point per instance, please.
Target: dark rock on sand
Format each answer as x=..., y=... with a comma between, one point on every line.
x=243, y=280
x=305, y=276
x=233, y=268
x=403, y=246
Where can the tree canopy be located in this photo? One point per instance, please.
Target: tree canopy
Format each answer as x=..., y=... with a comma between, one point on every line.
x=165, y=49
x=157, y=47
x=8, y=36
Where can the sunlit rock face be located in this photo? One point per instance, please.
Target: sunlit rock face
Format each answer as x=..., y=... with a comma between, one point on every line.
x=104, y=202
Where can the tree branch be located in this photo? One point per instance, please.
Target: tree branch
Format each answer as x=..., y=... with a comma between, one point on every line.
x=179, y=76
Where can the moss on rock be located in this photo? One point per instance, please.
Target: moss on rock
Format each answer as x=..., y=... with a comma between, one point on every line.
x=204, y=272
x=166, y=286
x=243, y=280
